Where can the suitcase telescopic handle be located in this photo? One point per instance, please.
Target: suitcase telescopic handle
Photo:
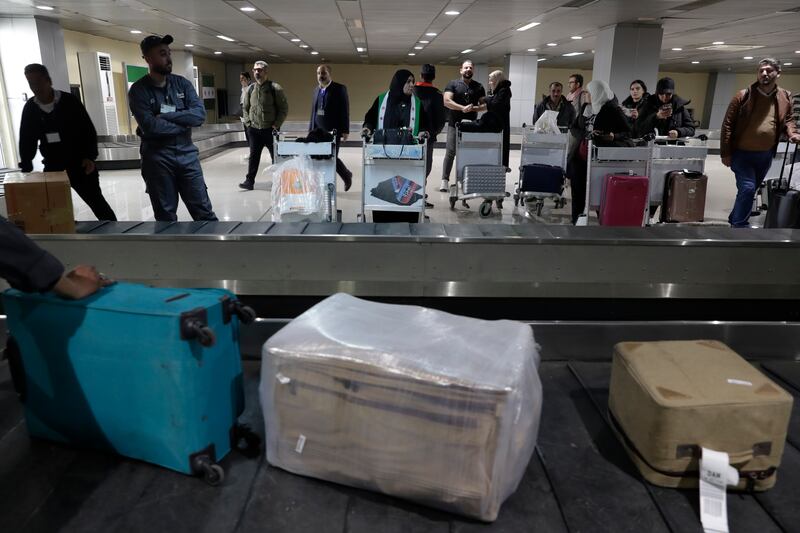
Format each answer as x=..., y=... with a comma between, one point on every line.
x=791, y=168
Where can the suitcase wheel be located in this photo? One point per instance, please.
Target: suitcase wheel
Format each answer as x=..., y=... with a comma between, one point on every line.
x=499, y=203
x=212, y=473
x=485, y=209
x=516, y=200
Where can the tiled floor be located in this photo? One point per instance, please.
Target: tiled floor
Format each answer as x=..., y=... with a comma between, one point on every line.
x=125, y=191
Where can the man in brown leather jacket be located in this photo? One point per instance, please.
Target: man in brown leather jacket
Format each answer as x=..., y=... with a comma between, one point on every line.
x=753, y=125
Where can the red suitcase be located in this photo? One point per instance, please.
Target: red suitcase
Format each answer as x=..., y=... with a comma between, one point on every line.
x=624, y=200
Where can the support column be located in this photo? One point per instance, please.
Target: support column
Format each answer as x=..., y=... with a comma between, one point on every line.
x=232, y=72
x=26, y=41
x=721, y=88
x=183, y=63
x=522, y=70
x=626, y=52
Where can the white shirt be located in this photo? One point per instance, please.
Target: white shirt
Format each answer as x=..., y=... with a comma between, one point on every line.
x=48, y=108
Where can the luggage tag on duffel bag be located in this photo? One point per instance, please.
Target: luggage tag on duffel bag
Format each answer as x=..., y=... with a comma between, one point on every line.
x=716, y=474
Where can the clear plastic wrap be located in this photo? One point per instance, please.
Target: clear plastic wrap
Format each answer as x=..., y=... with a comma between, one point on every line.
x=298, y=191
x=416, y=403
x=547, y=123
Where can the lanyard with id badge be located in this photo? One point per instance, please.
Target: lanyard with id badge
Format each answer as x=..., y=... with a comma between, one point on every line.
x=321, y=102
x=166, y=106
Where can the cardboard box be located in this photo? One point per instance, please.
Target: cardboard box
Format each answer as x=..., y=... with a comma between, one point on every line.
x=40, y=202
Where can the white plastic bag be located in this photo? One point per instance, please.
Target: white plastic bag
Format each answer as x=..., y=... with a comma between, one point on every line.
x=297, y=191
x=547, y=123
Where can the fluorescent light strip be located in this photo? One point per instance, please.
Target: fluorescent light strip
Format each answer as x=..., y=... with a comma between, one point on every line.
x=452, y=13
x=217, y=53
x=45, y=8
x=531, y=49
x=526, y=27
x=136, y=32
x=576, y=37
x=187, y=45
x=361, y=50
x=224, y=38
x=247, y=9
x=573, y=54
x=677, y=49
x=295, y=40
x=314, y=53
x=431, y=34
x=468, y=50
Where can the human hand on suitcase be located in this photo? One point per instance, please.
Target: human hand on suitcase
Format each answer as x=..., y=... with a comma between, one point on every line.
x=82, y=281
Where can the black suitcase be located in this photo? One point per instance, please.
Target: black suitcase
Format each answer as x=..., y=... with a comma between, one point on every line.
x=783, y=202
x=541, y=178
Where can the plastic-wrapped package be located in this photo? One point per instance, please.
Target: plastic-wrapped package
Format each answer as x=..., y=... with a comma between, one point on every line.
x=547, y=123
x=436, y=408
x=298, y=192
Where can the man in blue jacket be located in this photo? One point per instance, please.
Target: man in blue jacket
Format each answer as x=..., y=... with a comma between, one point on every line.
x=167, y=107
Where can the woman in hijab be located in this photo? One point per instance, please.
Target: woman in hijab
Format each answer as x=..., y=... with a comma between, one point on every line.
x=498, y=105
x=602, y=121
x=397, y=108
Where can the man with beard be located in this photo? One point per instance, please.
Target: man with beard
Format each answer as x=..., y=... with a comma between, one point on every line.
x=463, y=98
x=166, y=107
x=330, y=110
x=755, y=120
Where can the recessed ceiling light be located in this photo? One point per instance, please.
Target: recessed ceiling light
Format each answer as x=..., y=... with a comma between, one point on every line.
x=718, y=42
x=531, y=49
x=303, y=46
x=747, y=57
x=541, y=59
x=412, y=54
x=787, y=64
x=283, y=32
x=418, y=47
x=226, y=38
x=797, y=51
x=552, y=44
x=431, y=34
x=573, y=54
x=468, y=50
x=424, y=42
x=217, y=53
x=314, y=53
x=247, y=9
x=295, y=40
x=44, y=8
x=528, y=26
x=677, y=49
x=136, y=32
x=452, y=13
x=695, y=62
x=187, y=45
x=360, y=49
x=576, y=37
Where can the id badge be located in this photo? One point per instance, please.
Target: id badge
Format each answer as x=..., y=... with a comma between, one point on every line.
x=166, y=108
x=320, y=112
x=53, y=138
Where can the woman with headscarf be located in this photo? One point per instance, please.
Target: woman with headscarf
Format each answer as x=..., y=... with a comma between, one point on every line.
x=397, y=108
x=498, y=105
x=602, y=121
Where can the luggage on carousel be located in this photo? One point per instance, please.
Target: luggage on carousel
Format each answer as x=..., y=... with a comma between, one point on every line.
x=420, y=404
x=783, y=202
x=484, y=179
x=541, y=178
x=623, y=201
x=684, y=196
x=668, y=400
x=148, y=373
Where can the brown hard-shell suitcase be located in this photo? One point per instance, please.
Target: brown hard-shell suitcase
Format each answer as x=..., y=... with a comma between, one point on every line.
x=669, y=399
x=685, y=196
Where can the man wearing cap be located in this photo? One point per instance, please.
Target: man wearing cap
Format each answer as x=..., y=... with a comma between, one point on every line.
x=666, y=112
x=330, y=110
x=166, y=108
x=264, y=110
x=433, y=104
x=756, y=119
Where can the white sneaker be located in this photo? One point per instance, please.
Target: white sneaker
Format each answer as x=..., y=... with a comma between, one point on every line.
x=445, y=186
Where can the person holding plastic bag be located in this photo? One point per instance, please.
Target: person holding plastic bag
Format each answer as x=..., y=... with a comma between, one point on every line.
x=396, y=117
x=298, y=192
x=558, y=103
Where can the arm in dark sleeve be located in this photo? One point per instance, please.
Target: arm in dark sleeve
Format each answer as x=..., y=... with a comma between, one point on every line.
x=151, y=125
x=195, y=113
x=23, y=264
x=686, y=128
x=89, y=133
x=621, y=127
x=28, y=137
x=283, y=106
x=371, y=118
x=439, y=113
x=313, y=115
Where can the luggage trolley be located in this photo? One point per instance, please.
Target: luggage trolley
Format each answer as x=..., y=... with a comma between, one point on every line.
x=486, y=177
x=544, y=149
x=604, y=161
x=287, y=149
x=669, y=156
x=393, y=177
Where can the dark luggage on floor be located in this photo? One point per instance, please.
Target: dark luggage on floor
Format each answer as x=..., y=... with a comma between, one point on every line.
x=541, y=178
x=783, y=202
x=684, y=196
x=623, y=200
x=148, y=373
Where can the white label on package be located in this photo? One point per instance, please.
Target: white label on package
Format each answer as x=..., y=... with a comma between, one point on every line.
x=740, y=382
x=715, y=474
x=301, y=443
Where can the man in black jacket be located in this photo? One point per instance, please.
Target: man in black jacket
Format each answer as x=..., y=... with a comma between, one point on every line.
x=666, y=112
x=330, y=110
x=556, y=101
x=433, y=104
x=59, y=124
x=28, y=268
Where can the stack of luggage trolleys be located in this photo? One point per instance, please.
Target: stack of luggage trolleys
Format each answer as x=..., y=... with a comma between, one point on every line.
x=323, y=160
x=480, y=172
x=543, y=165
x=677, y=180
x=617, y=185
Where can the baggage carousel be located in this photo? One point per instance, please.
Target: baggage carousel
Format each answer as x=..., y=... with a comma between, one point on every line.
x=580, y=289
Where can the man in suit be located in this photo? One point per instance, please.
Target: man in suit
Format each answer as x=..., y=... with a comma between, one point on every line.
x=330, y=110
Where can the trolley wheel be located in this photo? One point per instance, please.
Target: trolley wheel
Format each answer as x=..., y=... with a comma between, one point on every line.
x=213, y=474
x=499, y=203
x=485, y=209
x=539, y=207
x=452, y=202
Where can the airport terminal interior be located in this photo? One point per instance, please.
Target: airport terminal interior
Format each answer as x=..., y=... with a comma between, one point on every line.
x=407, y=409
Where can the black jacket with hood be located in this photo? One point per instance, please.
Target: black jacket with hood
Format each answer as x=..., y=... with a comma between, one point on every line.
x=680, y=121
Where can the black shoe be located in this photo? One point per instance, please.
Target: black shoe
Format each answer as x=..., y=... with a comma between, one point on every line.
x=348, y=181
x=246, y=185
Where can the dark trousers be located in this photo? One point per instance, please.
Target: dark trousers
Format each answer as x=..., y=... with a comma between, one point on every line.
x=88, y=188
x=450, y=152
x=341, y=169
x=576, y=171
x=258, y=140
x=167, y=177
x=429, y=155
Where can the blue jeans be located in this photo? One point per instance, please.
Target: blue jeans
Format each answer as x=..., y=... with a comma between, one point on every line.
x=750, y=169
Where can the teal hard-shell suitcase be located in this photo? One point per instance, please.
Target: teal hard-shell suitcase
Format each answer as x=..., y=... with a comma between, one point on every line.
x=149, y=373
